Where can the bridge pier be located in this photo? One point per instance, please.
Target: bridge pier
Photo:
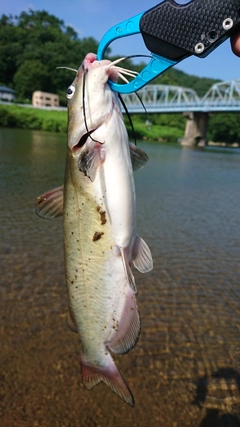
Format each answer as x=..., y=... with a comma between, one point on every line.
x=196, y=129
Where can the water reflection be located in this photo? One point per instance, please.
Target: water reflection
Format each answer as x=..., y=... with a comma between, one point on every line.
x=185, y=369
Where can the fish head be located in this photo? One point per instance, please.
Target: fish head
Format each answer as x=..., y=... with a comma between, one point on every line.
x=90, y=99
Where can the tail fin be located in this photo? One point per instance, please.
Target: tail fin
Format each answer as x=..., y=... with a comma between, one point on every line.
x=110, y=375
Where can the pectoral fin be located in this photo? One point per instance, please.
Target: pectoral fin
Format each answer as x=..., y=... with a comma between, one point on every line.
x=138, y=157
x=141, y=255
x=50, y=204
x=90, y=160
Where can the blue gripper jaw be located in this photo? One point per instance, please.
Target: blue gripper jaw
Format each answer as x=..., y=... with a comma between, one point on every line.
x=126, y=28
x=156, y=66
x=173, y=32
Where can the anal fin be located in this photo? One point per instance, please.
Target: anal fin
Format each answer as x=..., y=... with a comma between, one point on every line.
x=128, y=326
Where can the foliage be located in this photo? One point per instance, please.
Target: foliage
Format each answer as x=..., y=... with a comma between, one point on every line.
x=200, y=85
x=175, y=77
x=32, y=46
x=154, y=133
x=224, y=128
x=170, y=119
x=32, y=118
x=159, y=127
x=162, y=127
x=56, y=121
x=30, y=72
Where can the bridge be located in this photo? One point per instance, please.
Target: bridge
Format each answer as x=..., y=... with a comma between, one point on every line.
x=221, y=97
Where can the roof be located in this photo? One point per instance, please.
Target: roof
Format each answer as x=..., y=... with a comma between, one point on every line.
x=6, y=89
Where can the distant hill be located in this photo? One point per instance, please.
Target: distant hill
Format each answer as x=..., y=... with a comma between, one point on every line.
x=179, y=78
x=176, y=77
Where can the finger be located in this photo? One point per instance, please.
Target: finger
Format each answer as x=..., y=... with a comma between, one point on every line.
x=235, y=44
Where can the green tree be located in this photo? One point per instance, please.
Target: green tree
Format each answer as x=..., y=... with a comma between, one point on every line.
x=32, y=46
x=224, y=127
x=32, y=75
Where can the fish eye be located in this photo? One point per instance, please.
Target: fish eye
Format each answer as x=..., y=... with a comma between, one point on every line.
x=70, y=92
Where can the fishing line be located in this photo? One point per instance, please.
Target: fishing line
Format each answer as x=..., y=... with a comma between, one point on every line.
x=137, y=56
x=129, y=117
x=84, y=109
x=137, y=95
x=83, y=98
x=133, y=56
x=139, y=98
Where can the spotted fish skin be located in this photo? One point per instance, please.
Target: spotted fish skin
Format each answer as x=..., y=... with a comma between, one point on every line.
x=99, y=221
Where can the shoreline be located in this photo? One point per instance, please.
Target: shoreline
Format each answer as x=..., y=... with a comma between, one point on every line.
x=48, y=119
x=223, y=144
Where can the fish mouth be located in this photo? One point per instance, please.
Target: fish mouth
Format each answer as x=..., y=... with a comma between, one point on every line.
x=82, y=141
x=90, y=62
x=84, y=138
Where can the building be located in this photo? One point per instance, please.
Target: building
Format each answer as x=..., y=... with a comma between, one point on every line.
x=7, y=94
x=45, y=99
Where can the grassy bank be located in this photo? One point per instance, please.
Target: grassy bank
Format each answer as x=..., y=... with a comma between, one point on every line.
x=157, y=127
x=14, y=116
x=153, y=132
x=164, y=127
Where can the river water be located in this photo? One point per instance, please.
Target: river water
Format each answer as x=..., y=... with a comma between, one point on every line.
x=185, y=368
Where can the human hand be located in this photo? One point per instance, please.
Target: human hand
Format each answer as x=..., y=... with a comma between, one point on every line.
x=235, y=43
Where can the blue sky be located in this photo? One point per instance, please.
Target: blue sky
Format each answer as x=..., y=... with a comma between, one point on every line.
x=92, y=18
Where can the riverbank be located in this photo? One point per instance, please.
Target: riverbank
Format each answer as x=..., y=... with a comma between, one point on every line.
x=15, y=116
x=159, y=129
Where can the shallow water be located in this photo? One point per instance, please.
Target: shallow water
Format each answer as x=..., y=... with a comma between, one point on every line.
x=185, y=369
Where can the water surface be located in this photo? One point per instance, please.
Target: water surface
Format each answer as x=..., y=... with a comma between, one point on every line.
x=185, y=369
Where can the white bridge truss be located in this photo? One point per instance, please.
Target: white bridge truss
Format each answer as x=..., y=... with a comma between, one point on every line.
x=221, y=97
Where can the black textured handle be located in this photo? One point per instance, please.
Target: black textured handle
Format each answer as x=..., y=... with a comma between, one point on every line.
x=176, y=31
